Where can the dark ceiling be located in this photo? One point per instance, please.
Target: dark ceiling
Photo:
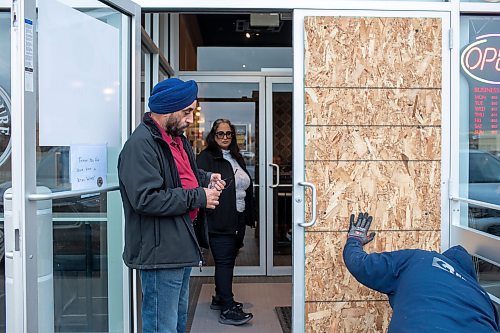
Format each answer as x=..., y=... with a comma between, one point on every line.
x=231, y=30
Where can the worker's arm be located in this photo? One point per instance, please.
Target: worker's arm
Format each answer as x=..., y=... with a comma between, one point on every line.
x=378, y=271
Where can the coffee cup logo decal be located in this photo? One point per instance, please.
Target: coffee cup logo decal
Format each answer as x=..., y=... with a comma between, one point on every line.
x=5, y=122
x=480, y=60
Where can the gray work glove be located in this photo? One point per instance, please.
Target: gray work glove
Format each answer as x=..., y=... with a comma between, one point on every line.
x=359, y=229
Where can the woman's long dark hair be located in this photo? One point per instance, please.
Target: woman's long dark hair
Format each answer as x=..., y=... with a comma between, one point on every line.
x=233, y=146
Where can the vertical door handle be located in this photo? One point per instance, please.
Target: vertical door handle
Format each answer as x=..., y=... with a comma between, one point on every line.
x=277, y=175
x=313, y=207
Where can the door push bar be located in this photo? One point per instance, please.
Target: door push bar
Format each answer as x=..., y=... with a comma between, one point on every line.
x=313, y=207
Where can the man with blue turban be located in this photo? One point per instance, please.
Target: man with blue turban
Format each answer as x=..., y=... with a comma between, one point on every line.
x=164, y=198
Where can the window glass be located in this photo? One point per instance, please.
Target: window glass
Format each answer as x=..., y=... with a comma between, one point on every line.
x=92, y=75
x=488, y=275
x=5, y=162
x=243, y=58
x=238, y=102
x=479, y=135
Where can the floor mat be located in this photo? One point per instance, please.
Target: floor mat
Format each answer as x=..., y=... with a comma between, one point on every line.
x=285, y=317
x=258, y=298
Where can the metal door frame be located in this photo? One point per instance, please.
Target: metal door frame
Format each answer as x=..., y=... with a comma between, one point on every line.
x=25, y=311
x=358, y=9
x=207, y=77
x=270, y=206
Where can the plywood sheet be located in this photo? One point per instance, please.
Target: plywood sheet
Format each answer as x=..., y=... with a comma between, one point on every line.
x=350, y=143
x=327, y=278
x=347, y=106
x=347, y=317
x=400, y=195
x=372, y=52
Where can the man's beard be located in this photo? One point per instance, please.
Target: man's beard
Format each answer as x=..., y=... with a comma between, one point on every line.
x=173, y=128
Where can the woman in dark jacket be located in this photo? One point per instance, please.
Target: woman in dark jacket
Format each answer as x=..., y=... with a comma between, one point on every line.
x=227, y=222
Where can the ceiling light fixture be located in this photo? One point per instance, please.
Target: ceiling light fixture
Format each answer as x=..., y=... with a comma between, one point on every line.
x=247, y=35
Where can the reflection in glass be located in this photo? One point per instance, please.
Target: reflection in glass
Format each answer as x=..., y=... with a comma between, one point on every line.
x=243, y=58
x=282, y=156
x=5, y=163
x=479, y=136
x=87, y=232
x=488, y=275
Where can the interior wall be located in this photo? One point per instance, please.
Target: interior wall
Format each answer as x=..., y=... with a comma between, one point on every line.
x=189, y=39
x=373, y=143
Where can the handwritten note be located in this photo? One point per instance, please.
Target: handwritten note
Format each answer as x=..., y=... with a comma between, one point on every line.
x=88, y=166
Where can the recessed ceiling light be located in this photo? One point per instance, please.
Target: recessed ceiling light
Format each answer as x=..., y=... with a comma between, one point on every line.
x=247, y=35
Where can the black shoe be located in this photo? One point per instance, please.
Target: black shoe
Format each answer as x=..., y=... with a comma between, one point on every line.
x=234, y=316
x=217, y=304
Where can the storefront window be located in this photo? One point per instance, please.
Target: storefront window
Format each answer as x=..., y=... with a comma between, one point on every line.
x=488, y=275
x=479, y=134
x=5, y=162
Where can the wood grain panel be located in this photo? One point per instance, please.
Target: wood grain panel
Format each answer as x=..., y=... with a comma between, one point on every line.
x=400, y=195
x=347, y=317
x=351, y=143
x=327, y=277
x=372, y=52
x=346, y=106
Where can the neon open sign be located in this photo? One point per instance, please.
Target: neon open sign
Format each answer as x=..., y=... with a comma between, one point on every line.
x=481, y=59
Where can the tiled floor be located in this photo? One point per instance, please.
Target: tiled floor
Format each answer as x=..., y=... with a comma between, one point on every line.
x=196, y=285
x=257, y=298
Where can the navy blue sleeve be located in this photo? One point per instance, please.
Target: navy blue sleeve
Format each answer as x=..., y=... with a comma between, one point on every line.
x=378, y=271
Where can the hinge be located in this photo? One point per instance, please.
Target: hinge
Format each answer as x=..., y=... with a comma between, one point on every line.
x=450, y=38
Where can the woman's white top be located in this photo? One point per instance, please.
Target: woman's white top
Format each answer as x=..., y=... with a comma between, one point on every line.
x=241, y=180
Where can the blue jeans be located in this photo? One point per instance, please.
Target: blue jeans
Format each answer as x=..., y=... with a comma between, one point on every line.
x=165, y=297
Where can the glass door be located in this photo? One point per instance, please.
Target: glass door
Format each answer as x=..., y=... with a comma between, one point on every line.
x=5, y=144
x=240, y=100
x=75, y=87
x=279, y=174
x=261, y=110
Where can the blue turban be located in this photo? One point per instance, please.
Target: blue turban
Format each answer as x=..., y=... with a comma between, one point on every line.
x=172, y=95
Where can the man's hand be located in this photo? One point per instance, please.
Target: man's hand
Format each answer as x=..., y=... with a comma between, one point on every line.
x=359, y=229
x=216, y=182
x=212, y=195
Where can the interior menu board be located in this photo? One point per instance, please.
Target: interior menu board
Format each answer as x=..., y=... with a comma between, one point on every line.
x=480, y=62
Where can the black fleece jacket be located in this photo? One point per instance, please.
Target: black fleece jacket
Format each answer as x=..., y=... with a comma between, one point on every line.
x=223, y=219
x=158, y=230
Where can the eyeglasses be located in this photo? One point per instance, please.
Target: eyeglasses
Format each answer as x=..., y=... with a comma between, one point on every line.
x=220, y=135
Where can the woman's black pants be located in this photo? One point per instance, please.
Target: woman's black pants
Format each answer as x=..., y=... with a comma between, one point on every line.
x=224, y=248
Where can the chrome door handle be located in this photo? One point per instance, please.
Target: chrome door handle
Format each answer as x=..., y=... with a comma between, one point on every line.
x=277, y=175
x=314, y=202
